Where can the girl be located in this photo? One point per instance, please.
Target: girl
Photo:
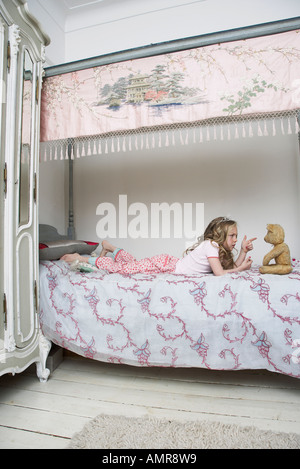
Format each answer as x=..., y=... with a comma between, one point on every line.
x=213, y=255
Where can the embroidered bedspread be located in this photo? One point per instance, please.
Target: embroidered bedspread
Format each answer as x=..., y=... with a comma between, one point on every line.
x=237, y=321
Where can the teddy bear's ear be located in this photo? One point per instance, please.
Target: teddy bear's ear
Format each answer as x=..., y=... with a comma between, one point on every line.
x=270, y=228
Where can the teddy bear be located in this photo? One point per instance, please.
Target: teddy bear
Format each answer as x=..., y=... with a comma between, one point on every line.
x=280, y=252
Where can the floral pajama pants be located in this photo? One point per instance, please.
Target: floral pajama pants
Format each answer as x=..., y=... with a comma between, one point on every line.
x=123, y=262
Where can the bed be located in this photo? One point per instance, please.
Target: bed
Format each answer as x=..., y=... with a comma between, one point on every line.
x=237, y=321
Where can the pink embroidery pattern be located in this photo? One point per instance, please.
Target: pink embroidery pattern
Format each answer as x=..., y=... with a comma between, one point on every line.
x=237, y=321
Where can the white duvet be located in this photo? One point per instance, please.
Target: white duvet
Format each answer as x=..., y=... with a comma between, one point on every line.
x=237, y=321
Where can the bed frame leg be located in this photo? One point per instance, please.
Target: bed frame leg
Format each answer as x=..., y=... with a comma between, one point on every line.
x=41, y=370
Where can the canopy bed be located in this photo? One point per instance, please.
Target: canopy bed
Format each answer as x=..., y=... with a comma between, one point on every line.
x=121, y=101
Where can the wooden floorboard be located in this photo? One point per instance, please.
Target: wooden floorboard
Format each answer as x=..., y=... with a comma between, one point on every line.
x=46, y=415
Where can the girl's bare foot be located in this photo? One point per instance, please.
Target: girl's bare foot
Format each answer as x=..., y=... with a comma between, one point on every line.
x=73, y=257
x=106, y=247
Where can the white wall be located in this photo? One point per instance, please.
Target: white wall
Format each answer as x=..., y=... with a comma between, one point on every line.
x=155, y=21
x=253, y=180
x=52, y=18
x=114, y=25
x=53, y=190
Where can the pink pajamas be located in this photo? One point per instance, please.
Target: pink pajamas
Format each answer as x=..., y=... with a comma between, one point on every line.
x=124, y=262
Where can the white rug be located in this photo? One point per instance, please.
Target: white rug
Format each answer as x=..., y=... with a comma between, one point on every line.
x=115, y=432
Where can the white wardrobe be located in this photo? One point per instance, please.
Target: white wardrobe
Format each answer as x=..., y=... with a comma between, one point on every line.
x=22, y=49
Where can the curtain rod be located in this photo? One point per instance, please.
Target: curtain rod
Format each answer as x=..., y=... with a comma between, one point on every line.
x=176, y=45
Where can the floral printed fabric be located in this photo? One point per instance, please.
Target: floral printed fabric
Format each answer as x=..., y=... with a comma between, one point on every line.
x=125, y=263
x=254, y=76
x=237, y=321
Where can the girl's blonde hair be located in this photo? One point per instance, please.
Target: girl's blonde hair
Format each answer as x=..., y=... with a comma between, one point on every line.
x=217, y=231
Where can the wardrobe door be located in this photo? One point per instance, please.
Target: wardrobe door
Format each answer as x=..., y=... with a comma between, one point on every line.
x=20, y=237
x=3, y=67
x=25, y=207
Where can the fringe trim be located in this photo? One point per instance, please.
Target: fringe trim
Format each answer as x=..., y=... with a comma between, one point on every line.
x=165, y=137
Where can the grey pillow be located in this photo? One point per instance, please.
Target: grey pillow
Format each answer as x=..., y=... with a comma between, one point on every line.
x=54, y=250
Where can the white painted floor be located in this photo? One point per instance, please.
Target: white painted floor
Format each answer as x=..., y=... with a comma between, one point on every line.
x=46, y=415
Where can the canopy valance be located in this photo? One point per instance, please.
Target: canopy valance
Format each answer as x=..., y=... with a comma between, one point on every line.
x=205, y=92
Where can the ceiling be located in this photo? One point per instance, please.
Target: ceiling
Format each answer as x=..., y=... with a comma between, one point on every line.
x=103, y=26
x=71, y=4
x=65, y=20
x=116, y=8
x=73, y=15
